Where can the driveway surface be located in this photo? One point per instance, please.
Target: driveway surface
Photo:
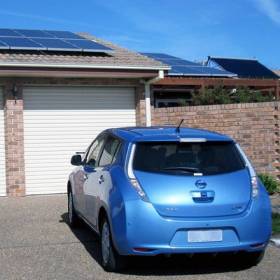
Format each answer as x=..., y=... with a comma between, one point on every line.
x=37, y=243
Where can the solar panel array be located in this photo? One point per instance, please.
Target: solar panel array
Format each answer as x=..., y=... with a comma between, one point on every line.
x=46, y=40
x=187, y=68
x=245, y=68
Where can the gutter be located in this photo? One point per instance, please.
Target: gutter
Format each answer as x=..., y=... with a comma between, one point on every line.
x=84, y=66
x=147, y=84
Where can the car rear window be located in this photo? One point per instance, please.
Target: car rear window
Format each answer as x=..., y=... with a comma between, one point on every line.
x=208, y=158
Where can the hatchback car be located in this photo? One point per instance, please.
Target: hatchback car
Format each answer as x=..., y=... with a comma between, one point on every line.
x=158, y=190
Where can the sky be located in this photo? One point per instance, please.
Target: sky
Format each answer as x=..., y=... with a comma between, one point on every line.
x=190, y=29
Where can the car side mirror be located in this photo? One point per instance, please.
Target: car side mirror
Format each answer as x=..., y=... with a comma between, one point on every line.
x=89, y=169
x=76, y=160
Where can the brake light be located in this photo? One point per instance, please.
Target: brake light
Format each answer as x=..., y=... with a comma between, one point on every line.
x=252, y=172
x=134, y=182
x=255, y=187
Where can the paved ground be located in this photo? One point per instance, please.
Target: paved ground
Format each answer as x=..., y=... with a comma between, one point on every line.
x=36, y=243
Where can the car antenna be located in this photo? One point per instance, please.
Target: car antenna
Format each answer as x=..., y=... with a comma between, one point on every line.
x=178, y=127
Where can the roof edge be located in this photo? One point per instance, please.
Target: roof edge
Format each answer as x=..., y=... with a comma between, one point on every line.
x=84, y=66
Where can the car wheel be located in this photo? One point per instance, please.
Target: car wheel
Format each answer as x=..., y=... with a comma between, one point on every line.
x=73, y=218
x=111, y=260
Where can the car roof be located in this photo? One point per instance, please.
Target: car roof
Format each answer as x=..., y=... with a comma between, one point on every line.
x=163, y=133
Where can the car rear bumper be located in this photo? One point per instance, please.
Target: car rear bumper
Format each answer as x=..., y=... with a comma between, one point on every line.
x=140, y=230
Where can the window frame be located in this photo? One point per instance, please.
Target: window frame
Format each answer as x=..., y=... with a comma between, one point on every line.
x=115, y=155
x=102, y=136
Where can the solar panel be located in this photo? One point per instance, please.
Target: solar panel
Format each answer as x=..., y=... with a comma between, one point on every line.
x=47, y=40
x=34, y=33
x=87, y=45
x=20, y=43
x=185, y=67
x=8, y=32
x=55, y=44
x=3, y=45
x=245, y=68
x=64, y=34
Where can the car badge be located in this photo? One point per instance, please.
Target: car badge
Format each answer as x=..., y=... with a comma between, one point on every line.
x=200, y=184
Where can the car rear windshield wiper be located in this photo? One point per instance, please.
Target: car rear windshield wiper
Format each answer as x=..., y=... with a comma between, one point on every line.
x=182, y=168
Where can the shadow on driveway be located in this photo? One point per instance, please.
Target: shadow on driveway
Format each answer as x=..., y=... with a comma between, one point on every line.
x=160, y=265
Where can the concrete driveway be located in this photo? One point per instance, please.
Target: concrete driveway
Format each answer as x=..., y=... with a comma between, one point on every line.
x=36, y=243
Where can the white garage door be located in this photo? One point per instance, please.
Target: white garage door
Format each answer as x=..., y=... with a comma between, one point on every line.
x=59, y=121
x=2, y=149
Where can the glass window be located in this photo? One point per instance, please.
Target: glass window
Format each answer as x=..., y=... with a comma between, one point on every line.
x=208, y=158
x=95, y=150
x=109, y=152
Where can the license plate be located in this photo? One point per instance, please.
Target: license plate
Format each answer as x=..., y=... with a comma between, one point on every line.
x=205, y=235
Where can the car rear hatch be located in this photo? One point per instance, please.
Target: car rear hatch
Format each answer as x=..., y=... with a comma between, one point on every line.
x=199, y=179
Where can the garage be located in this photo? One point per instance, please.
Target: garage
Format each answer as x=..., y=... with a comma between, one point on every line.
x=2, y=148
x=59, y=121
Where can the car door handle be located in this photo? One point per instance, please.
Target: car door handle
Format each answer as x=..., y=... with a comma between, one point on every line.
x=101, y=179
x=85, y=177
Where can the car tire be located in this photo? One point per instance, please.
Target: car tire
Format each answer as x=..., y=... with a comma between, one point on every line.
x=73, y=218
x=111, y=260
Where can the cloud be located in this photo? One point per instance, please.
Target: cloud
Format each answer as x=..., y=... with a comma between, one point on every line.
x=270, y=8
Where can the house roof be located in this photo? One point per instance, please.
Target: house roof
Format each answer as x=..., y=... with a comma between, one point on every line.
x=120, y=58
x=244, y=68
x=183, y=67
x=277, y=72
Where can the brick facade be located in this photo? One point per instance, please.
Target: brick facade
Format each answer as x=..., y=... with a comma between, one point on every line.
x=13, y=119
x=14, y=142
x=255, y=126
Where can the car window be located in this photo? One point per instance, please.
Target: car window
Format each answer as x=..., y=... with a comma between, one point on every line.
x=95, y=150
x=208, y=158
x=110, y=150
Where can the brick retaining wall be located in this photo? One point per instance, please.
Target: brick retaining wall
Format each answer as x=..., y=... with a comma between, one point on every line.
x=255, y=126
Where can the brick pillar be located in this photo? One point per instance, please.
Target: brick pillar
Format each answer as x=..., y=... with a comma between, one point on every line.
x=14, y=143
x=140, y=106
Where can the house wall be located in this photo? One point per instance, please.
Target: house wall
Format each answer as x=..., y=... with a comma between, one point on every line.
x=255, y=126
x=13, y=119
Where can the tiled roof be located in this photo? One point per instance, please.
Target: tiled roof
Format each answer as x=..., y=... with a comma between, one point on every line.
x=120, y=57
x=277, y=72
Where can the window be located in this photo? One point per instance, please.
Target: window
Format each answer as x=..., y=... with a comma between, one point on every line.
x=208, y=158
x=94, y=150
x=110, y=150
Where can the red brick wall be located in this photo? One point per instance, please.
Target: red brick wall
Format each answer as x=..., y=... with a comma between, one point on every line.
x=255, y=126
x=14, y=145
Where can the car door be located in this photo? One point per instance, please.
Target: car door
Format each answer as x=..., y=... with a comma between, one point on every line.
x=99, y=182
x=81, y=175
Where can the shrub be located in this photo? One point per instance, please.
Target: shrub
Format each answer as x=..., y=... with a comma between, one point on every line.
x=211, y=96
x=271, y=184
x=221, y=95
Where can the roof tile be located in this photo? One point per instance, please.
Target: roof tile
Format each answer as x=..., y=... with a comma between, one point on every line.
x=119, y=57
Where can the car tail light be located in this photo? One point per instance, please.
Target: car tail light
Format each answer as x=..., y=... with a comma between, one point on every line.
x=254, y=178
x=255, y=187
x=134, y=182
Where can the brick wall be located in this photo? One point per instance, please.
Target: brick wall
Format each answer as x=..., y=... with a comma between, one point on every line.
x=13, y=119
x=255, y=126
x=14, y=145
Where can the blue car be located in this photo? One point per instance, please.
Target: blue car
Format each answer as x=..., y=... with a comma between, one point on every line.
x=166, y=190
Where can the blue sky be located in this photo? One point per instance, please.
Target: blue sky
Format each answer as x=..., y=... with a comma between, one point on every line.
x=192, y=29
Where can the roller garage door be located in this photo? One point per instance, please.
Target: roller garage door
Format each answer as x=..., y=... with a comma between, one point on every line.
x=2, y=148
x=59, y=121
